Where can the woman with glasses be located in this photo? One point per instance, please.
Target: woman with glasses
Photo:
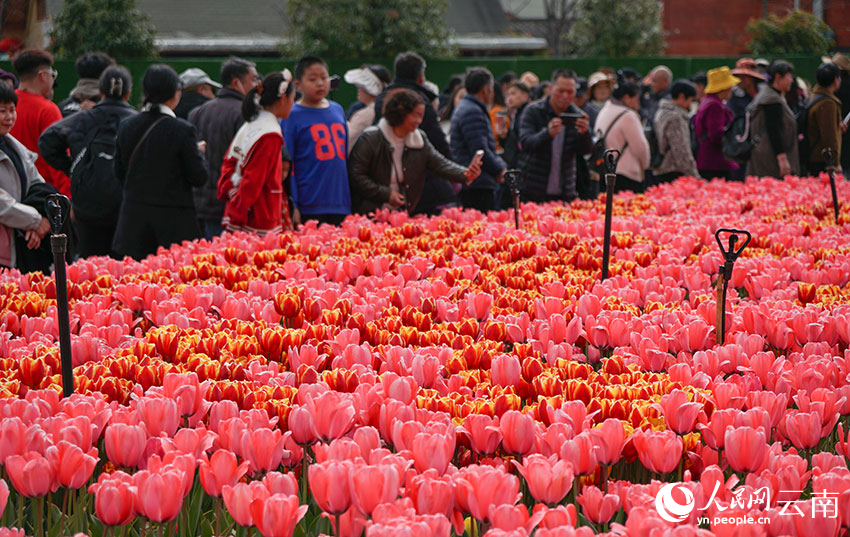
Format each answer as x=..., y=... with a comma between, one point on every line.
x=158, y=159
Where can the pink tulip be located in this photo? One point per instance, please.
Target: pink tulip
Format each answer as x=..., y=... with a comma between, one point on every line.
x=195, y=442
x=679, y=414
x=372, y=485
x=505, y=370
x=186, y=391
x=12, y=438
x=659, y=451
x=238, y=500
x=329, y=485
x=580, y=453
x=159, y=496
x=332, y=413
x=219, y=471
x=159, y=415
x=477, y=488
x=31, y=474
x=803, y=429
x=4, y=496
x=598, y=508
x=277, y=515
x=12, y=532
x=559, y=516
x=279, y=483
x=432, y=451
x=549, y=480
x=517, y=432
x=431, y=494
x=74, y=467
x=513, y=517
x=114, y=498
x=263, y=449
x=746, y=448
x=714, y=433
x=300, y=422
x=608, y=441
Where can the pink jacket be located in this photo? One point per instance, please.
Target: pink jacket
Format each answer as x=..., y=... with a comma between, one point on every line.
x=627, y=130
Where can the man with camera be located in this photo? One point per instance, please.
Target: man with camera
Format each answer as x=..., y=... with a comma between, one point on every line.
x=554, y=137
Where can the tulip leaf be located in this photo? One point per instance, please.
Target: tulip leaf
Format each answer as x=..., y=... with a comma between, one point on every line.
x=206, y=526
x=55, y=514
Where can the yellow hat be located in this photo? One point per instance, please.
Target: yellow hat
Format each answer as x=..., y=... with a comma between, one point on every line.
x=720, y=79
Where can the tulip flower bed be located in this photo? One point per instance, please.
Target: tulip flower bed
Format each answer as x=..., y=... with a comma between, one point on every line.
x=450, y=375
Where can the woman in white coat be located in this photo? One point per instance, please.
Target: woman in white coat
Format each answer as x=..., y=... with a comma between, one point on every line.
x=619, y=123
x=17, y=174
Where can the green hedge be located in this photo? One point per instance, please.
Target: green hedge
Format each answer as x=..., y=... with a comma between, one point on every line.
x=438, y=70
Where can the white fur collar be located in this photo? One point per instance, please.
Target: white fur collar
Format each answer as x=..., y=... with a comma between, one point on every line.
x=414, y=140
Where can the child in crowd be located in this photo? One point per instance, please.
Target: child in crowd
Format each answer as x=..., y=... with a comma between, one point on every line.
x=316, y=135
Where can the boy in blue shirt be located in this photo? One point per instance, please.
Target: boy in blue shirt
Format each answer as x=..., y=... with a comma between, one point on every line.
x=316, y=135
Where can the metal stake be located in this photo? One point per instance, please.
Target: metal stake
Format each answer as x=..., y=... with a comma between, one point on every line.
x=730, y=254
x=612, y=156
x=829, y=158
x=512, y=179
x=58, y=207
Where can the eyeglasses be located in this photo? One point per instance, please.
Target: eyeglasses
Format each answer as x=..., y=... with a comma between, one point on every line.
x=53, y=72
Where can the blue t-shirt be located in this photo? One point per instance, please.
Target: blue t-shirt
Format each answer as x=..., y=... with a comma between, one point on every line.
x=317, y=140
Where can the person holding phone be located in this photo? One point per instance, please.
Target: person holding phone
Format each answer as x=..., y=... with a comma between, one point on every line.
x=553, y=146
x=387, y=165
x=472, y=131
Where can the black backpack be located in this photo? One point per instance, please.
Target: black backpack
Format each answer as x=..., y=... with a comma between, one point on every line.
x=95, y=191
x=596, y=161
x=738, y=139
x=656, y=157
x=803, y=146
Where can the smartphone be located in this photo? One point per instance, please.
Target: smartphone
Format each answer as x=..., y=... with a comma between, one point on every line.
x=846, y=120
x=334, y=82
x=479, y=155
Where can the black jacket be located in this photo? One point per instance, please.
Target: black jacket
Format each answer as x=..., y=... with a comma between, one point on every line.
x=370, y=169
x=471, y=131
x=535, y=157
x=70, y=133
x=437, y=192
x=188, y=102
x=217, y=122
x=167, y=163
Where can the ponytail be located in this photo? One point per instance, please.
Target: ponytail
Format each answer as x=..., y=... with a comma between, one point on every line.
x=115, y=82
x=270, y=89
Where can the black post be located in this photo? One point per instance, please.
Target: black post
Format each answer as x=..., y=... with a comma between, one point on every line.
x=829, y=158
x=512, y=179
x=58, y=207
x=611, y=158
x=730, y=255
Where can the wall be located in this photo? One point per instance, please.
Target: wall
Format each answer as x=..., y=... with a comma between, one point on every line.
x=695, y=28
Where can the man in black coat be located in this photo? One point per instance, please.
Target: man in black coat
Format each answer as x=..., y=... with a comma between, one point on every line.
x=409, y=73
x=471, y=132
x=217, y=122
x=543, y=131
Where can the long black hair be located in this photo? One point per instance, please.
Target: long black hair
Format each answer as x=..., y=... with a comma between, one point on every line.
x=159, y=84
x=266, y=93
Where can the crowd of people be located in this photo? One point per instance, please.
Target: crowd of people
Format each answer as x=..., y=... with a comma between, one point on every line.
x=267, y=153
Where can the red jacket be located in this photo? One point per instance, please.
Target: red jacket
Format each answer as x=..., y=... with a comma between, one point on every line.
x=35, y=114
x=257, y=204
